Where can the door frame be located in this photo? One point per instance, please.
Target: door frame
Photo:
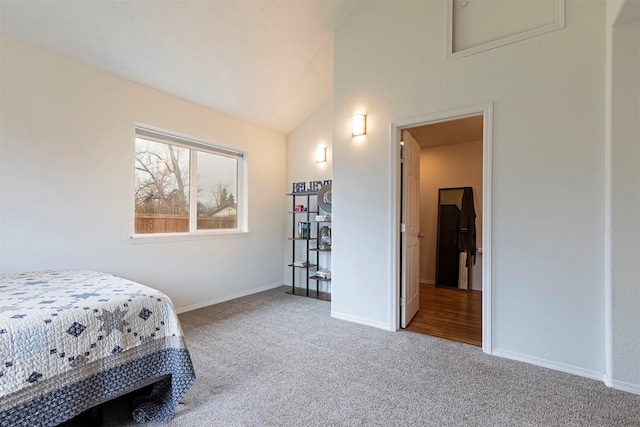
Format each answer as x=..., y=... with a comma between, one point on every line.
x=397, y=126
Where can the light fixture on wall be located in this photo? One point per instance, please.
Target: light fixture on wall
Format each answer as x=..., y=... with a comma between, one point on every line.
x=358, y=124
x=321, y=155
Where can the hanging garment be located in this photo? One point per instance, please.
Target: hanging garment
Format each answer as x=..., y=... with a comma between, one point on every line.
x=467, y=240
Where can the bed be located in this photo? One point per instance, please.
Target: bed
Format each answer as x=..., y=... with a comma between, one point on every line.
x=71, y=340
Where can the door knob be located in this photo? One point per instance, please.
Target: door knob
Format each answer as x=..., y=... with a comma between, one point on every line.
x=420, y=236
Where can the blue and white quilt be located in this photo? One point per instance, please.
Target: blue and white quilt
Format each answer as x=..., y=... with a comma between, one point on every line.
x=70, y=340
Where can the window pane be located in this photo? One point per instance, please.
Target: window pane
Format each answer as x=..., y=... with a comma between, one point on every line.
x=162, y=188
x=217, y=191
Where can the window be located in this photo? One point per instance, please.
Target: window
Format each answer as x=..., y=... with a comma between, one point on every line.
x=184, y=185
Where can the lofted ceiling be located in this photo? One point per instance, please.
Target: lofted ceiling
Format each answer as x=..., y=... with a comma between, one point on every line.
x=266, y=62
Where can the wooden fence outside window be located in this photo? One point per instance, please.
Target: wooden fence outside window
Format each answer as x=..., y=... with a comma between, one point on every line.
x=161, y=223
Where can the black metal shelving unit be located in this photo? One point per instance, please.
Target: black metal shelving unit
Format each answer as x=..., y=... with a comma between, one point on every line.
x=309, y=267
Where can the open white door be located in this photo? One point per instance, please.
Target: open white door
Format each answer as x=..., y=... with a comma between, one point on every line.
x=410, y=297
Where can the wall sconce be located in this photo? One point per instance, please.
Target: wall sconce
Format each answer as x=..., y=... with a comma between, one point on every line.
x=321, y=155
x=358, y=124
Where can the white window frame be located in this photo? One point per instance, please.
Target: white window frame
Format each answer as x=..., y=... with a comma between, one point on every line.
x=195, y=145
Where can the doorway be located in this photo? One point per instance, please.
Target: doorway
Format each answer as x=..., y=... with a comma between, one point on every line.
x=470, y=309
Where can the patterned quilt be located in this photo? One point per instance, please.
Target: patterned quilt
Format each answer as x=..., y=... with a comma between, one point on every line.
x=70, y=340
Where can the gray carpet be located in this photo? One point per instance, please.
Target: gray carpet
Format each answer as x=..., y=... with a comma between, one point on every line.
x=273, y=359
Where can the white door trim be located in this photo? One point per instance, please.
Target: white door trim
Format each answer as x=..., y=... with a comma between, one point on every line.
x=486, y=110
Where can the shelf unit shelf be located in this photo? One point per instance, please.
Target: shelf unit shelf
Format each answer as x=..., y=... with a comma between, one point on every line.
x=302, y=266
x=325, y=296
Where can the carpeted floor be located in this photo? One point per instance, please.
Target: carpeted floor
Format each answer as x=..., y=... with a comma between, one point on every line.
x=272, y=359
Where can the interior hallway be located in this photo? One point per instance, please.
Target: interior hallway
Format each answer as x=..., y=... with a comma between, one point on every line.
x=449, y=313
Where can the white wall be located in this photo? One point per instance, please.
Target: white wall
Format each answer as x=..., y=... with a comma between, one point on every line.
x=302, y=142
x=315, y=132
x=447, y=166
x=548, y=177
x=623, y=110
x=67, y=176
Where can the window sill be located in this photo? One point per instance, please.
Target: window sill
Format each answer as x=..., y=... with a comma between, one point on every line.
x=177, y=237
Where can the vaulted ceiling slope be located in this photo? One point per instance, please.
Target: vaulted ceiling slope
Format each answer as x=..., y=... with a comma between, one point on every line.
x=266, y=62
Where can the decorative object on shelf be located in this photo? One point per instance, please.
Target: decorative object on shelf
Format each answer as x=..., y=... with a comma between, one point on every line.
x=358, y=124
x=304, y=230
x=323, y=218
x=324, y=198
x=324, y=238
x=299, y=208
x=301, y=187
x=323, y=274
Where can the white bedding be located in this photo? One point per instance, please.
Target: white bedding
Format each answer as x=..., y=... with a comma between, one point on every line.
x=72, y=339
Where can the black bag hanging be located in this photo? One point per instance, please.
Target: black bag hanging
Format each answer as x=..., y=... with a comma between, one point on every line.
x=467, y=240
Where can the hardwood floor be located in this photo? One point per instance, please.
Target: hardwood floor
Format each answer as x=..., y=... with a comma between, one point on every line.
x=450, y=314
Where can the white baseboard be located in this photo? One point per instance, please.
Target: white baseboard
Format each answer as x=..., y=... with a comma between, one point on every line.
x=362, y=321
x=226, y=298
x=622, y=386
x=556, y=366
